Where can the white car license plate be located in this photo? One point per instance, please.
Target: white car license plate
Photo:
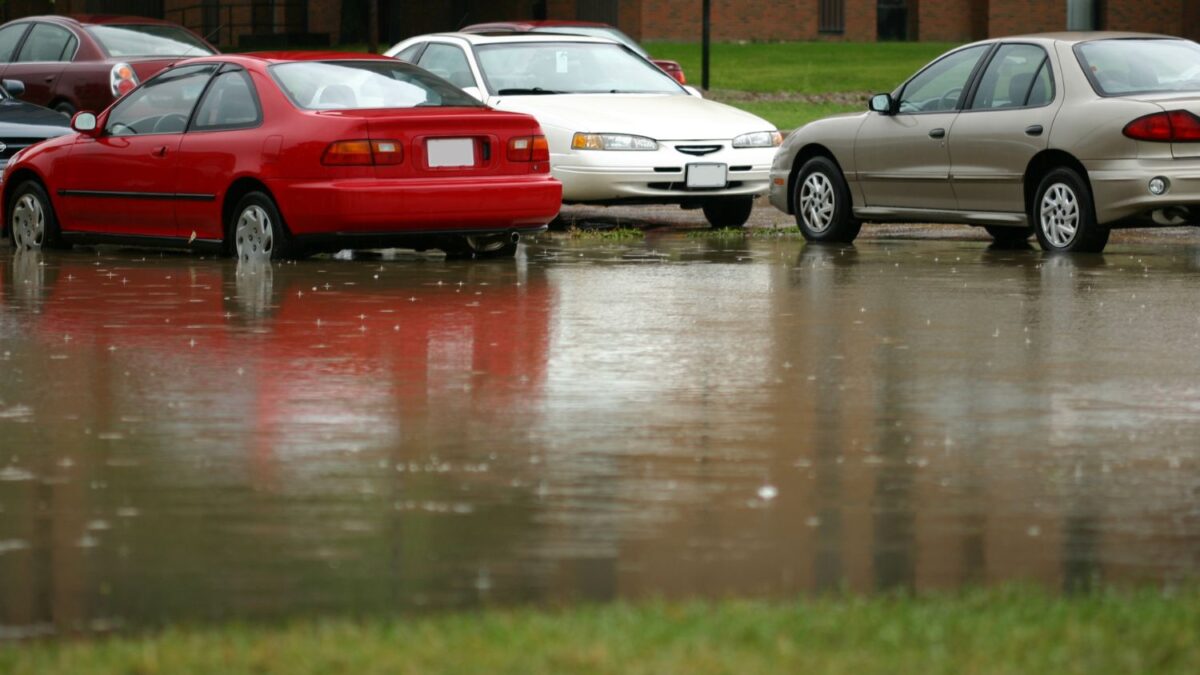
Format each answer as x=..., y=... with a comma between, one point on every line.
x=707, y=175
x=443, y=152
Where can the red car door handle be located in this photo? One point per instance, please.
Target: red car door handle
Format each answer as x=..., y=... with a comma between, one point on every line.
x=160, y=151
x=49, y=78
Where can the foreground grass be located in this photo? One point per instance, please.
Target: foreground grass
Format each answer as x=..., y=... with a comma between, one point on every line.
x=1000, y=631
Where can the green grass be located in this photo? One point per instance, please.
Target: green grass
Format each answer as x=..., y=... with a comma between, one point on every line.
x=1007, y=631
x=609, y=234
x=801, y=70
x=803, y=67
x=746, y=233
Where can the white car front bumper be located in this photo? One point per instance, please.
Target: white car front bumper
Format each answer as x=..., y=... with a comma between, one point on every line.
x=659, y=175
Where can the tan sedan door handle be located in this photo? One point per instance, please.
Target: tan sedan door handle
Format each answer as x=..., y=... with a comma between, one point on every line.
x=937, y=133
x=1035, y=130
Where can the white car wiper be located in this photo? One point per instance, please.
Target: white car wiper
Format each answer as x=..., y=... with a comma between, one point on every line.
x=536, y=91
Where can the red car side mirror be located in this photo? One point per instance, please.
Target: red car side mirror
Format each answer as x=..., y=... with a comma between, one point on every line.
x=85, y=123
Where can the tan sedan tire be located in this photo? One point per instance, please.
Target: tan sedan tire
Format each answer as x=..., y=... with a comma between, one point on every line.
x=822, y=203
x=1064, y=216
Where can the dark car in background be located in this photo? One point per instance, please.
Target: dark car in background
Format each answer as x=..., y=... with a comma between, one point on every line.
x=23, y=124
x=85, y=62
x=585, y=28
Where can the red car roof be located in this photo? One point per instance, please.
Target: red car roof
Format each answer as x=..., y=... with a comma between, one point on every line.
x=98, y=19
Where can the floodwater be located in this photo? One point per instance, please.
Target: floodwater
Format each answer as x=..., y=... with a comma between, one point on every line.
x=186, y=439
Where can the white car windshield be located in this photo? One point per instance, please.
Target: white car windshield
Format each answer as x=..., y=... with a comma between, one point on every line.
x=1121, y=67
x=357, y=85
x=531, y=68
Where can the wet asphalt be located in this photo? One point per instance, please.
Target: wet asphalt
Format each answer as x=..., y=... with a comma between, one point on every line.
x=676, y=415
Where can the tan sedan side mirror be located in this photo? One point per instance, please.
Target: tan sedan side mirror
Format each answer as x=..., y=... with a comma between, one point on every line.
x=882, y=103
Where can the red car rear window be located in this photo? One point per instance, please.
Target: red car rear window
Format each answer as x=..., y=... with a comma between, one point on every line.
x=124, y=41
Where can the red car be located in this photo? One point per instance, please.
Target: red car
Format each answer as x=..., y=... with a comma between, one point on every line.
x=85, y=62
x=285, y=154
x=585, y=28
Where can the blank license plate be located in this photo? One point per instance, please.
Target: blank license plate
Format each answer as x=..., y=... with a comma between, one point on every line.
x=707, y=175
x=450, y=152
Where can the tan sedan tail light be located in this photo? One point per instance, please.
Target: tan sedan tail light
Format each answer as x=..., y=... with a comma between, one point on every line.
x=1175, y=126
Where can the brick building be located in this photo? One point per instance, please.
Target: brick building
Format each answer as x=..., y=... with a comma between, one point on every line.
x=315, y=22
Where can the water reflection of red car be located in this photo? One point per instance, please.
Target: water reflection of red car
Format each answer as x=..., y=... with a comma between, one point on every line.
x=278, y=155
x=348, y=349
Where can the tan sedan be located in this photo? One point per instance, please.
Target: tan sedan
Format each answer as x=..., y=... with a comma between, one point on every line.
x=1064, y=136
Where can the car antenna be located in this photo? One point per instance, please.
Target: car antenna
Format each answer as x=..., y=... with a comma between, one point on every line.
x=208, y=38
x=463, y=21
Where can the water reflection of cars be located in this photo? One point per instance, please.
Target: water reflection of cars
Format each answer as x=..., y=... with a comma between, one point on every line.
x=586, y=28
x=279, y=155
x=85, y=62
x=23, y=124
x=620, y=130
x=1065, y=136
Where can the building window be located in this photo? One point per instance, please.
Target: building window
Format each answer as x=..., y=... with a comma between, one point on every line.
x=1085, y=15
x=831, y=16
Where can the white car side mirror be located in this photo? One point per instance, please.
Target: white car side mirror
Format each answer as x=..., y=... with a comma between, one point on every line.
x=474, y=93
x=693, y=91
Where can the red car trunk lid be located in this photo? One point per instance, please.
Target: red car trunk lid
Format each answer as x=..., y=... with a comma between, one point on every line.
x=449, y=141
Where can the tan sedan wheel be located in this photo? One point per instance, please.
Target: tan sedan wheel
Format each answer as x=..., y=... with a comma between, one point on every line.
x=1064, y=217
x=822, y=203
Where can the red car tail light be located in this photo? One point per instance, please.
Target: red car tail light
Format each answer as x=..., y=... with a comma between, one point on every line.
x=387, y=152
x=1176, y=126
x=528, y=149
x=348, y=153
x=122, y=79
x=363, y=153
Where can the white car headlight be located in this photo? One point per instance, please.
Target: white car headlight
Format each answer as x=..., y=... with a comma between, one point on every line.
x=583, y=141
x=759, y=139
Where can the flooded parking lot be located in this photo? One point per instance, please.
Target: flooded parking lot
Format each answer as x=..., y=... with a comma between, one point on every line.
x=187, y=439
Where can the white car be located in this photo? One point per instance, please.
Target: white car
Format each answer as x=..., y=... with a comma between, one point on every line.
x=620, y=130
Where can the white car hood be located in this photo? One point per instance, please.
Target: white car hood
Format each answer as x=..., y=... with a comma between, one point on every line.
x=663, y=117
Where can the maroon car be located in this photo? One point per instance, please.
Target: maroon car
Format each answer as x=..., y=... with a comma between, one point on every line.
x=585, y=28
x=84, y=62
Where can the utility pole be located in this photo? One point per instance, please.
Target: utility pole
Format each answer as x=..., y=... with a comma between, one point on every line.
x=706, y=25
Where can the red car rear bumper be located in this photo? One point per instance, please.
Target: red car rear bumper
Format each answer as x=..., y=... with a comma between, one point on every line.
x=399, y=206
